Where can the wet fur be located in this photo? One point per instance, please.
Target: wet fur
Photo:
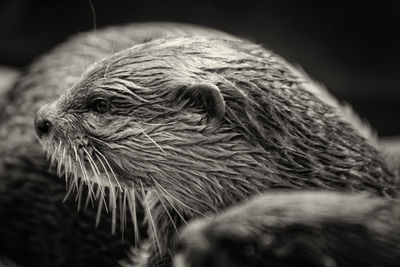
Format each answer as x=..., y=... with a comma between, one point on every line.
x=275, y=133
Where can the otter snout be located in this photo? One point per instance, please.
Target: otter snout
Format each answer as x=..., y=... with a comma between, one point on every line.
x=42, y=122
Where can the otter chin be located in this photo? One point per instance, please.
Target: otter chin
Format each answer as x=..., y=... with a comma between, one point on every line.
x=196, y=124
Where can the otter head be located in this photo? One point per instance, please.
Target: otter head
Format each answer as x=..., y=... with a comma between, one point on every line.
x=203, y=122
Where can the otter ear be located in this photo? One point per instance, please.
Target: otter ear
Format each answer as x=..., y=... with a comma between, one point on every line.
x=208, y=97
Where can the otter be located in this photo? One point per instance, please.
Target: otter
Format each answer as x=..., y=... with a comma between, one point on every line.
x=296, y=229
x=38, y=228
x=196, y=124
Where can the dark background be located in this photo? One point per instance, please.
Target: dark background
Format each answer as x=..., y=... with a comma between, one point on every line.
x=354, y=49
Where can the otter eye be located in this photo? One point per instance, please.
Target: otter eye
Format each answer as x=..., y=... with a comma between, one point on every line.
x=101, y=106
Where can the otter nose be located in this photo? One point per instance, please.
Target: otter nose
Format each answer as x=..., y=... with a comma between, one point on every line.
x=42, y=124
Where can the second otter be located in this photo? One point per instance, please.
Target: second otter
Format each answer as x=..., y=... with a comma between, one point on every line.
x=202, y=123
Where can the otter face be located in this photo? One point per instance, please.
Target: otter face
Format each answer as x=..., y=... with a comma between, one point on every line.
x=148, y=117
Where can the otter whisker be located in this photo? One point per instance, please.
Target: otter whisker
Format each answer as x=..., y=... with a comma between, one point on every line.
x=76, y=178
x=112, y=172
x=111, y=192
x=94, y=15
x=123, y=212
x=66, y=179
x=151, y=139
x=61, y=161
x=166, y=210
x=70, y=188
x=66, y=174
x=79, y=195
x=105, y=169
x=88, y=200
x=102, y=164
x=108, y=177
x=53, y=157
x=75, y=167
x=172, y=205
x=113, y=206
x=119, y=197
x=109, y=60
x=132, y=209
x=112, y=198
x=101, y=190
x=63, y=154
x=96, y=172
x=150, y=218
x=84, y=173
x=180, y=202
x=121, y=217
x=99, y=210
x=100, y=207
x=73, y=170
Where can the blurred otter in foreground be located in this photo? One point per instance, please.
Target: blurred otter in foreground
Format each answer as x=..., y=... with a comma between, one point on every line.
x=323, y=229
x=197, y=124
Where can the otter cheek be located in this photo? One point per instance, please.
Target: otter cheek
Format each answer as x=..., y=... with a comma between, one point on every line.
x=97, y=124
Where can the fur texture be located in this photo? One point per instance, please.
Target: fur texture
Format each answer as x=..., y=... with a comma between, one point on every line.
x=275, y=133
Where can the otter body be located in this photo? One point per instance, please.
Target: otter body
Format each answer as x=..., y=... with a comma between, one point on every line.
x=197, y=124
